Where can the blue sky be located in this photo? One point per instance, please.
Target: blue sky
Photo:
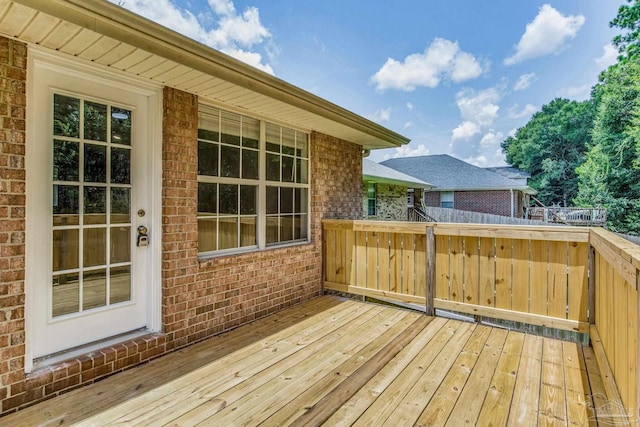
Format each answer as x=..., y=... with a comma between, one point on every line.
x=456, y=77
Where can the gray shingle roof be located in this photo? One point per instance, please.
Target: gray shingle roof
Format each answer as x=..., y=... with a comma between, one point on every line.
x=509, y=172
x=375, y=172
x=450, y=174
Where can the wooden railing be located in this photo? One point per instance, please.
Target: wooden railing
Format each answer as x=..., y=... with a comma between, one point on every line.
x=615, y=333
x=569, y=278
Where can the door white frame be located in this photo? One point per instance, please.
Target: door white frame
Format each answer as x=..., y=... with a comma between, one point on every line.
x=41, y=59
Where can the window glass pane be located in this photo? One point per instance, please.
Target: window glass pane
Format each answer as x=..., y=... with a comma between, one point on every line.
x=65, y=205
x=228, y=199
x=286, y=228
x=65, y=249
x=286, y=200
x=120, y=244
x=95, y=205
x=371, y=207
x=287, y=169
x=120, y=284
x=273, y=138
x=120, y=126
x=207, y=235
x=208, y=135
x=94, y=289
x=288, y=141
x=250, y=164
x=120, y=205
x=250, y=132
x=66, y=294
x=300, y=200
x=207, y=198
x=120, y=165
x=66, y=116
x=228, y=233
x=302, y=171
x=273, y=167
x=229, y=161
x=300, y=227
x=208, y=158
x=95, y=163
x=95, y=121
x=230, y=128
x=272, y=200
x=209, y=124
x=248, y=231
x=302, y=145
x=66, y=157
x=94, y=247
x=248, y=200
x=272, y=230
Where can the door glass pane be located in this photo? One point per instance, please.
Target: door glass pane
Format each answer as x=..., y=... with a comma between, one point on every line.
x=66, y=158
x=95, y=121
x=66, y=294
x=120, y=244
x=120, y=166
x=120, y=126
x=95, y=163
x=66, y=116
x=65, y=249
x=94, y=289
x=94, y=247
x=95, y=205
x=120, y=205
x=65, y=205
x=120, y=284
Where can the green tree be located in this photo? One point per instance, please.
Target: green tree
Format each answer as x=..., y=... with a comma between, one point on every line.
x=551, y=146
x=610, y=176
x=628, y=18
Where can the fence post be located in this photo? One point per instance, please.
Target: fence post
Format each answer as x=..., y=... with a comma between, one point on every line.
x=431, y=271
x=592, y=284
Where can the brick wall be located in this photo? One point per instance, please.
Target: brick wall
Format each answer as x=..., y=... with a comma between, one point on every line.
x=199, y=298
x=13, y=59
x=491, y=202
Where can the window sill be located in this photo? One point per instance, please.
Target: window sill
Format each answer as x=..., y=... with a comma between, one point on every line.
x=207, y=259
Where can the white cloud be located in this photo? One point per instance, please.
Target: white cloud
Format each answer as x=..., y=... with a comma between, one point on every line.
x=382, y=115
x=234, y=34
x=442, y=60
x=466, y=130
x=491, y=138
x=479, y=107
x=407, y=125
x=578, y=93
x=512, y=132
x=527, y=111
x=408, y=151
x=524, y=81
x=547, y=34
x=609, y=56
x=409, y=106
x=497, y=158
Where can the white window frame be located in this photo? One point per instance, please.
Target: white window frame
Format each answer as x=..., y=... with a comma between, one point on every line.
x=447, y=197
x=262, y=183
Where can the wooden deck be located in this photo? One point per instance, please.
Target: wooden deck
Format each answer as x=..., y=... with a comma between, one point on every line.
x=339, y=362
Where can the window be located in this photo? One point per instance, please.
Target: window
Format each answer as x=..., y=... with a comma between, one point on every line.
x=410, y=198
x=241, y=203
x=446, y=199
x=371, y=199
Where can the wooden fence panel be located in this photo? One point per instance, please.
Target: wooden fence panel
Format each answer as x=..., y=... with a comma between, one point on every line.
x=442, y=267
x=408, y=265
x=420, y=264
x=361, y=259
x=538, y=278
x=471, y=270
x=504, y=256
x=520, y=293
x=578, y=282
x=372, y=260
x=456, y=268
x=487, y=271
x=557, y=279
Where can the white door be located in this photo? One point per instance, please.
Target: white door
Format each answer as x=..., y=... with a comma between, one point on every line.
x=89, y=189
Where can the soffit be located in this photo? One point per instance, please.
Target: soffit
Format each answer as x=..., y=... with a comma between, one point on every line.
x=108, y=35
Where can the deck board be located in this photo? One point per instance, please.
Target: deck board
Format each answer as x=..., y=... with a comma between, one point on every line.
x=274, y=370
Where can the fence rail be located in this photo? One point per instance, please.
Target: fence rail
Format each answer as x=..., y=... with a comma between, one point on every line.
x=569, y=278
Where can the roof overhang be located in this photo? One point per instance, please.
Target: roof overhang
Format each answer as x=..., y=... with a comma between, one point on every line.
x=526, y=190
x=408, y=184
x=109, y=35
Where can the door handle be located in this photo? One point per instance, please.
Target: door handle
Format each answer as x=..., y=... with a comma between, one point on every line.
x=143, y=236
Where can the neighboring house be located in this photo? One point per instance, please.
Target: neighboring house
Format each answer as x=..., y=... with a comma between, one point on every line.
x=388, y=193
x=154, y=193
x=460, y=185
x=510, y=172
